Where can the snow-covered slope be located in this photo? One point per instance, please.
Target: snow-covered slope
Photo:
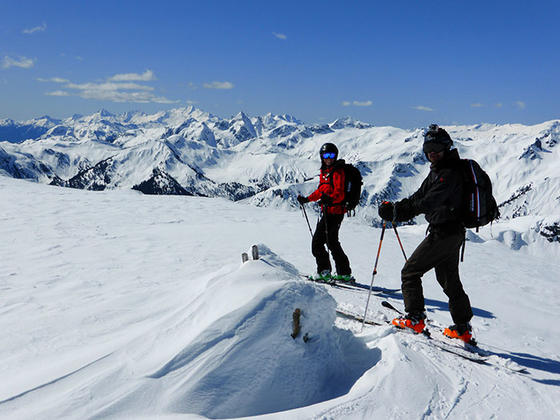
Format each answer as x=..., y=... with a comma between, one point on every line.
x=268, y=160
x=120, y=304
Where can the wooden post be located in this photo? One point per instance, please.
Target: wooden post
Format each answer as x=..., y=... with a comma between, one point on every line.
x=296, y=327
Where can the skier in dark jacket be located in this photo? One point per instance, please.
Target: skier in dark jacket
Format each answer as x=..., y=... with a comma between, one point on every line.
x=440, y=198
x=330, y=195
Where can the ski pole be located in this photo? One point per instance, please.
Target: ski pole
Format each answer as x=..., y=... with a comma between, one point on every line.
x=374, y=272
x=399, y=239
x=306, y=219
x=325, y=214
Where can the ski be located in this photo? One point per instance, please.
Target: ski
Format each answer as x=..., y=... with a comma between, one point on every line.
x=328, y=283
x=466, y=350
x=376, y=289
x=473, y=357
x=379, y=291
x=358, y=318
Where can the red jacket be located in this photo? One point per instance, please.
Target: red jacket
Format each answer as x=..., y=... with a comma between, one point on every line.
x=331, y=183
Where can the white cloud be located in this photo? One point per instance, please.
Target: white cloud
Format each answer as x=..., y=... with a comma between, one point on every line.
x=108, y=86
x=499, y=105
x=23, y=62
x=118, y=88
x=280, y=36
x=357, y=103
x=53, y=80
x=219, y=85
x=57, y=93
x=118, y=96
x=477, y=105
x=40, y=28
x=147, y=76
x=422, y=108
x=163, y=100
x=520, y=104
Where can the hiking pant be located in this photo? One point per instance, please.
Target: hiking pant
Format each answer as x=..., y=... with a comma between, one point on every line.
x=326, y=233
x=439, y=251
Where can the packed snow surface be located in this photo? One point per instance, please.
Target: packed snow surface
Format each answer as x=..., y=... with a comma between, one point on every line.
x=118, y=304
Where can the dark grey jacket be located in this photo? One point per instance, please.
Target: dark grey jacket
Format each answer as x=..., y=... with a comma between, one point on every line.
x=440, y=197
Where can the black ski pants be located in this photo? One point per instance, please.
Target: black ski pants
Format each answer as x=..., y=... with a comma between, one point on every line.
x=326, y=233
x=440, y=251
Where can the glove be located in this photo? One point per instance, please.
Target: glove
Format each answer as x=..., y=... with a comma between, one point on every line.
x=405, y=210
x=326, y=200
x=302, y=200
x=385, y=211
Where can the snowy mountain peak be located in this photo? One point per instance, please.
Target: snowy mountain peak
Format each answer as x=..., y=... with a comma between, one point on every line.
x=348, y=122
x=240, y=116
x=242, y=128
x=290, y=118
x=104, y=113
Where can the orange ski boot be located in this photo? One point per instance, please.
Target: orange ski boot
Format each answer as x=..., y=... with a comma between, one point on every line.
x=415, y=322
x=461, y=331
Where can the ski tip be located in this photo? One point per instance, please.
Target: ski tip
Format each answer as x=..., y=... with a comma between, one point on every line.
x=389, y=306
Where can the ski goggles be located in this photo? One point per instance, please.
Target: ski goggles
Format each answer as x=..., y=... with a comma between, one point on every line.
x=433, y=147
x=328, y=155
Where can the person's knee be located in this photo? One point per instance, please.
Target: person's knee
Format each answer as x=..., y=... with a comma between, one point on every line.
x=316, y=243
x=456, y=295
x=317, y=249
x=408, y=270
x=335, y=247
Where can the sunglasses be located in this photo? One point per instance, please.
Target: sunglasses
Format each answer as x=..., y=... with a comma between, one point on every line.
x=434, y=147
x=329, y=155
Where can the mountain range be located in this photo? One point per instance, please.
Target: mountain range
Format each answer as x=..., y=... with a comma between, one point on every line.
x=268, y=160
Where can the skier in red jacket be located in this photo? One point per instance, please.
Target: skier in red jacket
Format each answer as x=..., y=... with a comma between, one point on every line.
x=330, y=195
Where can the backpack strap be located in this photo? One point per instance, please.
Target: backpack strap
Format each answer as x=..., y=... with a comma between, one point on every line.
x=338, y=166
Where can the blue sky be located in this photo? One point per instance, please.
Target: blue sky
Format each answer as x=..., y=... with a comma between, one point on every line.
x=400, y=63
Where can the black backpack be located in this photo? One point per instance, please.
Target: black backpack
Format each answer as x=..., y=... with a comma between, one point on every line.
x=480, y=207
x=352, y=185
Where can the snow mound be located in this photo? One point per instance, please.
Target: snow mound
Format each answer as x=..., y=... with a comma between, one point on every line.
x=228, y=353
x=246, y=362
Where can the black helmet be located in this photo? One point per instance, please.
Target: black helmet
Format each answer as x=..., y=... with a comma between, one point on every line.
x=436, y=139
x=328, y=148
